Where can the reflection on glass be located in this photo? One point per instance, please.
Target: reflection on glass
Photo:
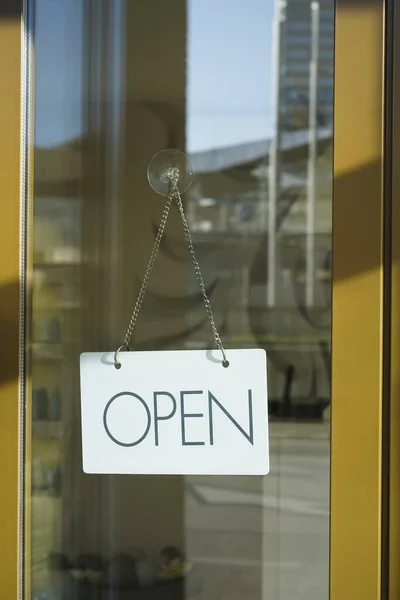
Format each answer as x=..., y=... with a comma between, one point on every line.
x=247, y=93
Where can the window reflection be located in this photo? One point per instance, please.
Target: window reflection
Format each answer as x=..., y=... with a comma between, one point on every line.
x=252, y=103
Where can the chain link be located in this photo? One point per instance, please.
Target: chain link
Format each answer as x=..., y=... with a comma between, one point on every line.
x=173, y=195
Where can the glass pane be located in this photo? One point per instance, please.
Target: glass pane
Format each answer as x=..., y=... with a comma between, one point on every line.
x=246, y=89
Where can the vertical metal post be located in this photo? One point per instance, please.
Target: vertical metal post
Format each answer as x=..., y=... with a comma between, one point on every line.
x=116, y=16
x=263, y=178
x=115, y=132
x=274, y=159
x=192, y=208
x=312, y=157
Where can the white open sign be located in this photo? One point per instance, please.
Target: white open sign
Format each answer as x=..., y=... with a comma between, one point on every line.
x=175, y=412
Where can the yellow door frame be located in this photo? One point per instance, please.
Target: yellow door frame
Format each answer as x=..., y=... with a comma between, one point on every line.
x=10, y=292
x=394, y=521
x=359, y=331
x=359, y=395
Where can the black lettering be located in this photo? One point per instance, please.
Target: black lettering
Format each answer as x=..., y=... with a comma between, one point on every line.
x=114, y=439
x=248, y=436
x=166, y=417
x=187, y=416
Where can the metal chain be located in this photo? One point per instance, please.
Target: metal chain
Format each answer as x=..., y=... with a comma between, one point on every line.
x=147, y=274
x=173, y=194
x=197, y=271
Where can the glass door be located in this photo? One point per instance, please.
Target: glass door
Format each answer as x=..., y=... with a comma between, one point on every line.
x=246, y=89
x=248, y=94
